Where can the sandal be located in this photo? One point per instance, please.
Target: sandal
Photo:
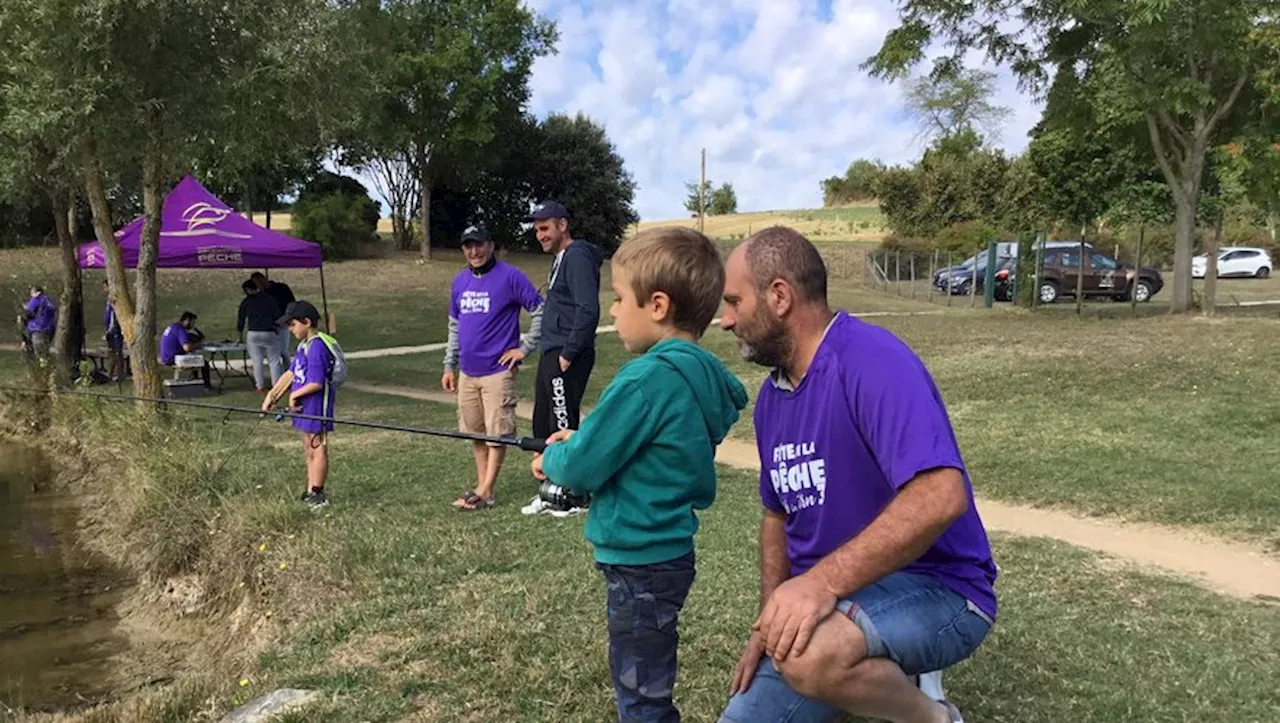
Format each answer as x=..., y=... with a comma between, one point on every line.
x=476, y=502
x=466, y=498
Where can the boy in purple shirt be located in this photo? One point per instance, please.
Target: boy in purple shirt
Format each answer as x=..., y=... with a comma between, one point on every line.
x=310, y=393
x=484, y=342
x=868, y=508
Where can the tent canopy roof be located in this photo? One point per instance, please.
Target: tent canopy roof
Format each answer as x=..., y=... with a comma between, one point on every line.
x=198, y=230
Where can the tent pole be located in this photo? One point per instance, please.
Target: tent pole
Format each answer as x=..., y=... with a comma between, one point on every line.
x=324, y=298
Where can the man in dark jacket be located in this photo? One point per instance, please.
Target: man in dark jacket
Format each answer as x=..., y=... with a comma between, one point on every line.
x=569, y=320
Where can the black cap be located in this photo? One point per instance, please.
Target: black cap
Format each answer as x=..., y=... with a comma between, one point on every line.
x=548, y=209
x=299, y=310
x=476, y=233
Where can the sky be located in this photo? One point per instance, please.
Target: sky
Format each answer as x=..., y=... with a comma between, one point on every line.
x=770, y=88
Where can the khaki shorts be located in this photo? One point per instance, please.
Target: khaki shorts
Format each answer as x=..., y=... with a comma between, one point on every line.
x=487, y=405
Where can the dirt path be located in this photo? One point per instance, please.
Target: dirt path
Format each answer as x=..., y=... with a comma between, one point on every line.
x=1229, y=567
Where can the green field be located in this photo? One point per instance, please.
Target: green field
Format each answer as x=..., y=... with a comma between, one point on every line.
x=400, y=608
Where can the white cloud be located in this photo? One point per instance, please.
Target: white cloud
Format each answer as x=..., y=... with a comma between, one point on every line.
x=770, y=88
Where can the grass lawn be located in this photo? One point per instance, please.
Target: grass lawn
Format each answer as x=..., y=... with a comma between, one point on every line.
x=400, y=608
x=1161, y=419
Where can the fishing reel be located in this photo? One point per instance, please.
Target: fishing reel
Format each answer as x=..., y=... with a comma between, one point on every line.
x=557, y=496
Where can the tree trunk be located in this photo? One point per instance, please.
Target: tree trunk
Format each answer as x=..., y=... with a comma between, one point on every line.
x=1271, y=225
x=400, y=231
x=1211, y=268
x=269, y=205
x=424, y=200
x=143, y=353
x=1184, y=223
x=68, y=337
x=117, y=282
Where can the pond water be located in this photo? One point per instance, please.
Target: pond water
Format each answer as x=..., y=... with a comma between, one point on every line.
x=57, y=620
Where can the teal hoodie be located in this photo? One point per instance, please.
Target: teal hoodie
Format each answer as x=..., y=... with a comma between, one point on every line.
x=646, y=453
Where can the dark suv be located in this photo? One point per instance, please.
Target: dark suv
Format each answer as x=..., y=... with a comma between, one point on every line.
x=1103, y=275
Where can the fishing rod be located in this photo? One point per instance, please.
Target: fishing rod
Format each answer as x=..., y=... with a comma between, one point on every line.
x=525, y=443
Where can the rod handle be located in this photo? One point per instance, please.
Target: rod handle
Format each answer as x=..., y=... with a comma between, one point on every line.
x=533, y=445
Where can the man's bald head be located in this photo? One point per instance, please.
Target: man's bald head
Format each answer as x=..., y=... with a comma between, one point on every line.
x=779, y=252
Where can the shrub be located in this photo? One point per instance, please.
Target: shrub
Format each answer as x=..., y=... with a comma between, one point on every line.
x=338, y=222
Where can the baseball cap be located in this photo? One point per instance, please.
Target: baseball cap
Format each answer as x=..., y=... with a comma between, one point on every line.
x=476, y=233
x=548, y=209
x=299, y=310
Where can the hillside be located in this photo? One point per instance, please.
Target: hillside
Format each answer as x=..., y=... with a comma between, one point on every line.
x=846, y=223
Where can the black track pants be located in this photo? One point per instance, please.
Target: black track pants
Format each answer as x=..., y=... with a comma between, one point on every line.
x=557, y=398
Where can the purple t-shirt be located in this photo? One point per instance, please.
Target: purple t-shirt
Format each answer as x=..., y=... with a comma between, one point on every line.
x=865, y=419
x=312, y=362
x=171, y=342
x=487, y=308
x=42, y=315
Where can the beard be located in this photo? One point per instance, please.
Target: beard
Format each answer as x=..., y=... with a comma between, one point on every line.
x=764, y=340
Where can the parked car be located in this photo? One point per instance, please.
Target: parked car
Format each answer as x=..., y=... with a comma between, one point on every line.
x=961, y=282
x=1004, y=250
x=1103, y=275
x=1235, y=261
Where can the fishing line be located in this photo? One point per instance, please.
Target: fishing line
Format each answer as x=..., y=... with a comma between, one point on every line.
x=525, y=443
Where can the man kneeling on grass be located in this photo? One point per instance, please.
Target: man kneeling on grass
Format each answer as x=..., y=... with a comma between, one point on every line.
x=484, y=335
x=868, y=509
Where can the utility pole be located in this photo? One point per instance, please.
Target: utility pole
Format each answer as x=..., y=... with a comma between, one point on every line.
x=702, y=194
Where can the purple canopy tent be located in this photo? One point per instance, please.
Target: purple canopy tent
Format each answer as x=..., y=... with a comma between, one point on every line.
x=199, y=231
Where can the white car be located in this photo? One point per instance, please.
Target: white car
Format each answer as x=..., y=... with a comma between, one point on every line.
x=1237, y=261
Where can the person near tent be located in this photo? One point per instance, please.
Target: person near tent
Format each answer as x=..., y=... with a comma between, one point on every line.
x=113, y=334
x=180, y=338
x=259, y=311
x=39, y=319
x=283, y=295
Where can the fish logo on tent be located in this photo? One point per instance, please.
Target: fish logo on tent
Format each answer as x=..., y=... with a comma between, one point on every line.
x=92, y=258
x=202, y=219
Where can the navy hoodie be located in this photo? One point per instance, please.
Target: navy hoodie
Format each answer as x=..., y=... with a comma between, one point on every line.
x=572, y=310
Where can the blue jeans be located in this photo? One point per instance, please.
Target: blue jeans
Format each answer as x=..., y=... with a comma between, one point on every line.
x=644, y=603
x=911, y=619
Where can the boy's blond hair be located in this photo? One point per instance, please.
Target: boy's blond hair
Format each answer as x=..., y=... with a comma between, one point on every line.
x=683, y=264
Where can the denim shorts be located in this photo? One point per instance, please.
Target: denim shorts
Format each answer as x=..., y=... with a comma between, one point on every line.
x=913, y=620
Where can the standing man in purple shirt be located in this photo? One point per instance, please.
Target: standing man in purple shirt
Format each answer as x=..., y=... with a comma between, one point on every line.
x=484, y=342
x=39, y=318
x=875, y=567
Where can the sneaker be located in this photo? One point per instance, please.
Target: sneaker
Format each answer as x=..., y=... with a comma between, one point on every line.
x=316, y=500
x=575, y=510
x=536, y=506
x=931, y=685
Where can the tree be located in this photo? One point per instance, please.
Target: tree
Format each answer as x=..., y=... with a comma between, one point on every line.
x=859, y=183
x=1181, y=69
x=440, y=73
x=950, y=105
x=724, y=200
x=942, y=190
x=695, y=202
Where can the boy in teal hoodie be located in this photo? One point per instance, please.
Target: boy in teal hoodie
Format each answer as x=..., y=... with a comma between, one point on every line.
x=646, y=455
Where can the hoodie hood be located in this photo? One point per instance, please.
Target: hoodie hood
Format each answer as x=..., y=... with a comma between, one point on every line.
x=588, y=249
x=720, y=396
